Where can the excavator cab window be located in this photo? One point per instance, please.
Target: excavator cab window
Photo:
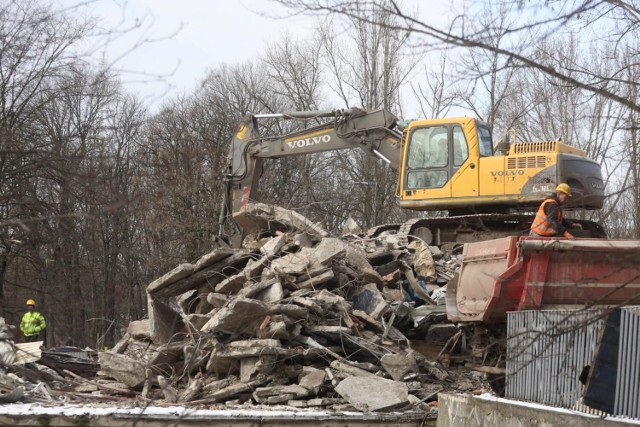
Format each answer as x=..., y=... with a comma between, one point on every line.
x=485, y=142
x=460, y=147
x=428, y=158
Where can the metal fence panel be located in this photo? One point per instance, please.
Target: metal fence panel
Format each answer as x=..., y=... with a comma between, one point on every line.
x=546, y=352
x=627, y=400
x=548, y=349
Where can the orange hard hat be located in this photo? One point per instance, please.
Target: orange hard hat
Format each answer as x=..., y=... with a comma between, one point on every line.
x=31, y=302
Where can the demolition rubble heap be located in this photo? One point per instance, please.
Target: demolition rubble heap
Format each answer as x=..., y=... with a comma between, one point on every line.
x=295, y=318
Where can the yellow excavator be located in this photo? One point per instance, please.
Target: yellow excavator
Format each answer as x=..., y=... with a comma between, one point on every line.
x=446, y=164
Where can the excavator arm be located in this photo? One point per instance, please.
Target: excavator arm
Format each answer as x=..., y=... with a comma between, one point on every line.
x=376, y=132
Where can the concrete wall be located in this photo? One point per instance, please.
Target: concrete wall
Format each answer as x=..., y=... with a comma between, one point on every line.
x=456, y=410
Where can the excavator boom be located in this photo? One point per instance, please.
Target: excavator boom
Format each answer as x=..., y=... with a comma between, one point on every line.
x=374, y=131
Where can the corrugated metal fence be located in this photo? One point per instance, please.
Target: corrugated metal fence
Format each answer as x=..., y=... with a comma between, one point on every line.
x=627, y=401
x=547, y=351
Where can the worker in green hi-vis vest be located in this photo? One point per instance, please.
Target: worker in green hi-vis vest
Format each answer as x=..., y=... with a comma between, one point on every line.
x=33, y=325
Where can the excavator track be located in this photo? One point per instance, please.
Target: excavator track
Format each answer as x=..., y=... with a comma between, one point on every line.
x=456, y=230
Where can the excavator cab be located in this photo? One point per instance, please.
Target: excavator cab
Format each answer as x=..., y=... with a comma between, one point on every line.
x=450, y=164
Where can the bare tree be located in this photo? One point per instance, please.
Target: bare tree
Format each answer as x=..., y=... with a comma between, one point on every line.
x=488, y=75
x=36, y=46
x=368, y=70
x=438, y=97
x=619, y=19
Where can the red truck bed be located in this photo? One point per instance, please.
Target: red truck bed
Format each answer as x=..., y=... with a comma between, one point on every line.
x=521, y=273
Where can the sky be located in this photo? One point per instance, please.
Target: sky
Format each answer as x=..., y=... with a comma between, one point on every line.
x=161, y=48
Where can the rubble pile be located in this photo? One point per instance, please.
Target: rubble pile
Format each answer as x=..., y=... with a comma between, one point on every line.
x=295, y=317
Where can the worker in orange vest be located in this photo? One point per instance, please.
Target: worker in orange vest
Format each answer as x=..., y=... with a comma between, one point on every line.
x=549, y=220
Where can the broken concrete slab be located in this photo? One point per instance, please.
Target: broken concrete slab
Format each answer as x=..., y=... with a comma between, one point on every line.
x=251, y=289
x=325, y=401
x=388, y=394
x=207, y=277
x=315, y=281
x=282, y=392
x=312, y=379
x=232, y=284
x=332, y=332
x=257, y=217
x=301, y=240
x=165, y=354
x=121, y=345
x=254, y=268
x=327, y=250
x=291, y=264
x=185, y=301
x=235, y=389
x=272, y=294
x=250, y=367
x=252, y=343
x=423, y=263
x=178, y=273
x=139, y=329
x=216, y=299
x=309, y=304
x=291, y=310
x=279, y=326
x=368, y=320
x=164, y=321
x=213, y=257
x=357, y=258
x=124, y=369
x=215, y=385
x=370, y=300
x=350, y=226
x=241, y=353
x=221, y=365
x=273, y=246
x=191, y=391
x=239, y=316
x=399, y=365
x=169, y=392
x=333, y=301
x=346, y=370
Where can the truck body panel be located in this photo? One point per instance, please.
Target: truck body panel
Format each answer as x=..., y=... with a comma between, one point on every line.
x=524, y=273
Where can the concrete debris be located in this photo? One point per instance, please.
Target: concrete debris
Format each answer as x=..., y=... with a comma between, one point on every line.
x=7, y=346
x=400, y=364
x=370, y=300
x=294, y=317
x=423, y=263
x=139, y=329
x=259, y=217
x=128, y=371
x=389, y=395
x=350, y=226
x=26, y=352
